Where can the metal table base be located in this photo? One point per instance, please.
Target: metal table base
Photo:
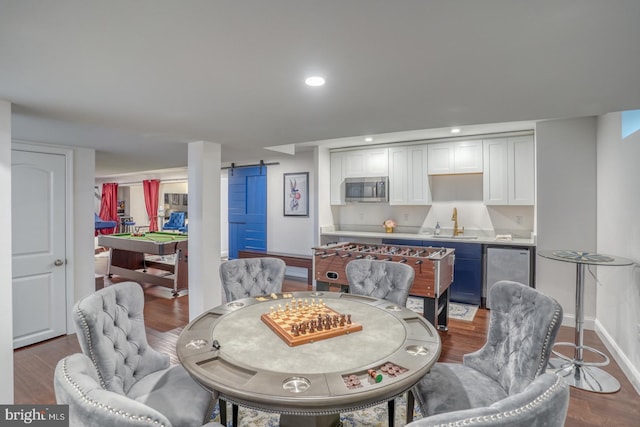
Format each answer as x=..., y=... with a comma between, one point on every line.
x=588, y=378
x=576, y=371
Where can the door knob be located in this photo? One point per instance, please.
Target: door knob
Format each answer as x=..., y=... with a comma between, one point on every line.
x=58, y=262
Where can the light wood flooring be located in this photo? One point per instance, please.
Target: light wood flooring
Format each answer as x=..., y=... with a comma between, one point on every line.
x=165, y=318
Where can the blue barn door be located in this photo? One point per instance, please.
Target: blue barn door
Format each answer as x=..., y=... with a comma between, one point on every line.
x=247, y=209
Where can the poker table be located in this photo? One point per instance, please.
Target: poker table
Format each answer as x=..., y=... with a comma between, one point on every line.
x=129, y=258
x=231, y=350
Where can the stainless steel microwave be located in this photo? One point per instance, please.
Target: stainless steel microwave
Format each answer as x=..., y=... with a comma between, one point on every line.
x=367, y=189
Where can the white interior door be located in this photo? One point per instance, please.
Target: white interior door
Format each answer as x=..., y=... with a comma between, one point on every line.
x=38, y=246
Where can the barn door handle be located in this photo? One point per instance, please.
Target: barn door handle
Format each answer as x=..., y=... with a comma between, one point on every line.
x=58, y=262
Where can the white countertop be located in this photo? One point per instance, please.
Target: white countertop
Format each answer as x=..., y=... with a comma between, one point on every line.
x=419, y=236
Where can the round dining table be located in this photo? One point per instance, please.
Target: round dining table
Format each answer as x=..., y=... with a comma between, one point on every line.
x=235, y=351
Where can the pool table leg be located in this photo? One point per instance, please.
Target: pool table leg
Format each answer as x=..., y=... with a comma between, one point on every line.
x=109, y=275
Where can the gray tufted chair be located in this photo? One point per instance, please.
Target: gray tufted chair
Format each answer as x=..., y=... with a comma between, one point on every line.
x=380, y=279
x=543, y=403
x=111, y=332
x=77, y=384
x=523, y=325
x=250, y=277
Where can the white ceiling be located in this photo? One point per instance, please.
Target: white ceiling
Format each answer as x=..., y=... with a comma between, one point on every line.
x=136, y=80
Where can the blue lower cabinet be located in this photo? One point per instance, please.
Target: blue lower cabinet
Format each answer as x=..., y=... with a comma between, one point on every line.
x=402, y=242
x=467, y=281
x=467, y=271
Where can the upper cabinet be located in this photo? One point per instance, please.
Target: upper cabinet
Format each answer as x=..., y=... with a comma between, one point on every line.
x=509, y=174
x=337, y=178
x=455, y=157
x=366, y=163
x=408, y=178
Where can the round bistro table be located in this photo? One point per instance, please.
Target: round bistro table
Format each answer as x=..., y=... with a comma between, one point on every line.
x=230, y=350
x=578, y=373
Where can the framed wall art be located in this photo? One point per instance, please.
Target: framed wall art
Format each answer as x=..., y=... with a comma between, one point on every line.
x=296, y=194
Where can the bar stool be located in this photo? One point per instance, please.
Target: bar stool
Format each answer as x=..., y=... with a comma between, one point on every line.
x=575, y=370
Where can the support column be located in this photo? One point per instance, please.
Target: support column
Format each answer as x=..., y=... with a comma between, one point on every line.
x=205, y=289
x=6, y=311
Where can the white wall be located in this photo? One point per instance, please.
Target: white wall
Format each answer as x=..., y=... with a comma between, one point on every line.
x=137, y=206
x=6, y=312
x=618, y=294
x=566, y=207
x=83, y=263
x=289, y=234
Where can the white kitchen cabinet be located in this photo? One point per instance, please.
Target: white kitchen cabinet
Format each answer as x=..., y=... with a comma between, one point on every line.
x=509, y=175
x=457, y=157
x=368, y=162
x=468, y=156
x=337, y=178
x=408, y=178
x=521, y=173
x=441, y=158
x=398, y=177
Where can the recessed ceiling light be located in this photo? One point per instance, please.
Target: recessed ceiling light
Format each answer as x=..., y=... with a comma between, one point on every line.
x=455, y=130
x=314, y=81
x=368, y=139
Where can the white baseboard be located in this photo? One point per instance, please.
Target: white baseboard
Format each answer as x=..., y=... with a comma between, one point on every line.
x=630, y=371
x=570, y=321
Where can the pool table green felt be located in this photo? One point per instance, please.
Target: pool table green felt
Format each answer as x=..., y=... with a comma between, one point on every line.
x=157, y=243
x=155, y=236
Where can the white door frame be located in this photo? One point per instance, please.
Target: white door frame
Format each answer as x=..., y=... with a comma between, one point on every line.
x=69, y=222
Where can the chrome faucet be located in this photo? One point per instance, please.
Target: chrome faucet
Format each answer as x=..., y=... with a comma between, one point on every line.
x=454, y=217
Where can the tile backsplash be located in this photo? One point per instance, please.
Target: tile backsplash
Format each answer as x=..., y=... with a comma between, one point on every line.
x=516, y=220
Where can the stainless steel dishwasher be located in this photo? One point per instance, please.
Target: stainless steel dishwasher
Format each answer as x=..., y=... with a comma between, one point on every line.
x=506, y=263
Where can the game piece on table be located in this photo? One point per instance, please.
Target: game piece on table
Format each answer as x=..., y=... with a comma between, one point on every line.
x=348, y=319
x=376, y=376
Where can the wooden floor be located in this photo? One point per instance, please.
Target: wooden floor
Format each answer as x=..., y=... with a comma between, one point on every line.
x=165, y=318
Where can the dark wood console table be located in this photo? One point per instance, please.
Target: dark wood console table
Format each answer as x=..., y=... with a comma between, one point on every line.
x=292, y=260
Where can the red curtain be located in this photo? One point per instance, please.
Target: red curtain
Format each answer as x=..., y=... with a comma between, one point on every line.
x=109, y=205
x=151, y=191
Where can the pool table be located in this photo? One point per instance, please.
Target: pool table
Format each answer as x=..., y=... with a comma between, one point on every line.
x=127, y=258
